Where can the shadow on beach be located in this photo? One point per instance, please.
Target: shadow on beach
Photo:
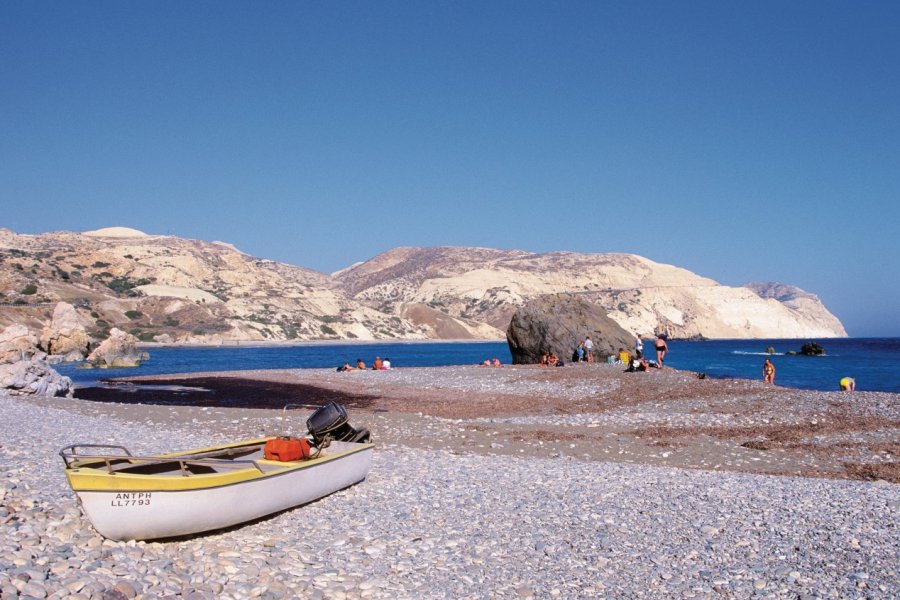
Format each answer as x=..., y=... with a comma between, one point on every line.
x=220, y=392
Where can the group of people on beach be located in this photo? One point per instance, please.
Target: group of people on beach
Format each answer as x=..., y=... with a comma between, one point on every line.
x=550, y=359
x=584, y=352
x=637, y=361
x=378, y=365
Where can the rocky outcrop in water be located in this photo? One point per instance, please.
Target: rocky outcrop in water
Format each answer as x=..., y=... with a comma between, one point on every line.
x=65, y=336
x=24, y=368
x=118, y=350
x=557, y=324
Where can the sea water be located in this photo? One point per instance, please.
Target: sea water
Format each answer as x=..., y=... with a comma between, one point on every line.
x=874, y=362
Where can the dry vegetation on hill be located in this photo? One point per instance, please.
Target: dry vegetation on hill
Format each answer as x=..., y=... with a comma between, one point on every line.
x=168, y=289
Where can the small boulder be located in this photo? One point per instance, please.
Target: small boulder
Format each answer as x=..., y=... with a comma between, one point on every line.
x=118, y=350
x=24, y=368
x=66, y=336
x=558, y=323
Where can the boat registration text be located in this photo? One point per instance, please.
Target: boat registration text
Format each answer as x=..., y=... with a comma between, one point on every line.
x=131, y=499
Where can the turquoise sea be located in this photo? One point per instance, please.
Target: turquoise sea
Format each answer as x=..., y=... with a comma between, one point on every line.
x=874, y=362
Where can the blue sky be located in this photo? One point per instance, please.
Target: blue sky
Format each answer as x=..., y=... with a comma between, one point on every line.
x=743, y=141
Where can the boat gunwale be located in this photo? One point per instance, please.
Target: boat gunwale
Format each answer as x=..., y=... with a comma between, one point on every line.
x=93, y=477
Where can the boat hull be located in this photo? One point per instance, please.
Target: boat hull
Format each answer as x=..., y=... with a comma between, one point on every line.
x=134, y=510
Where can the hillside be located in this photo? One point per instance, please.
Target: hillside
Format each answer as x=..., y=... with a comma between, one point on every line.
x=485, y=286
x=169, y=289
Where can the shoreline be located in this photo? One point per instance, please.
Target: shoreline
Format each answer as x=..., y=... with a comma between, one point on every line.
x=288, y=344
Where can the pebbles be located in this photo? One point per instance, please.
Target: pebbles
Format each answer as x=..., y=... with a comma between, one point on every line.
x=439, y=523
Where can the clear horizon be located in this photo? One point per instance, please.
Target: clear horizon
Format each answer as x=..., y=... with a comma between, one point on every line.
x=741, y=142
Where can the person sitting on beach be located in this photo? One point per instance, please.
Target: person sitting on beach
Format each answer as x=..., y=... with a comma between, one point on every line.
x=638, y=363
x=553, y=361
x=545, y=360
x=345, y=367
x=495, y=362
x=360, y=364
x=486, y=363
x=848, y=384
x=386, y=364
x=376, y=366
x=768, y=372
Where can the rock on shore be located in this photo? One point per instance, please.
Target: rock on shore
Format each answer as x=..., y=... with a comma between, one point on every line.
x=118, y=350
x=65, y=336
x=24, y=368
x=558, y=323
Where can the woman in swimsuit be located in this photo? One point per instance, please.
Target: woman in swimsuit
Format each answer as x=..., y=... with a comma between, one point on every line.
x=768, y=372
x=661, y=349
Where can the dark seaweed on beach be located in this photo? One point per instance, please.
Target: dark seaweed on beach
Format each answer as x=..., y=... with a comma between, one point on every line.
x=221, y=392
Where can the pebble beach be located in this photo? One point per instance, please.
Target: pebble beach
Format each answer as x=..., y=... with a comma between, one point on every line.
x=494, y=483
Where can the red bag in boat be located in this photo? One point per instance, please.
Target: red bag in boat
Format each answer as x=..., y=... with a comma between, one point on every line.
x=287, y=449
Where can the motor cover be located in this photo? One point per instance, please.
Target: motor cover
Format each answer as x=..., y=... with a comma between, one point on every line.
x=331, y=420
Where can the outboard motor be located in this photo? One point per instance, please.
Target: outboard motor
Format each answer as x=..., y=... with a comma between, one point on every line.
x=331, y=421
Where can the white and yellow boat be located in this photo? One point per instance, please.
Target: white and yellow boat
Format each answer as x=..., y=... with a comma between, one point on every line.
x=148, y=497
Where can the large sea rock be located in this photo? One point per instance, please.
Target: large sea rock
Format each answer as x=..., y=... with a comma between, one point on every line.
x=24, y=368
x=557, y=323
x=65, y=336
x=118, y=350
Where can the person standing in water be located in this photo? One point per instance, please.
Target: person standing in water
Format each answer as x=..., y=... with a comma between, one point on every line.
x=661, y=348
x=768, y=372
